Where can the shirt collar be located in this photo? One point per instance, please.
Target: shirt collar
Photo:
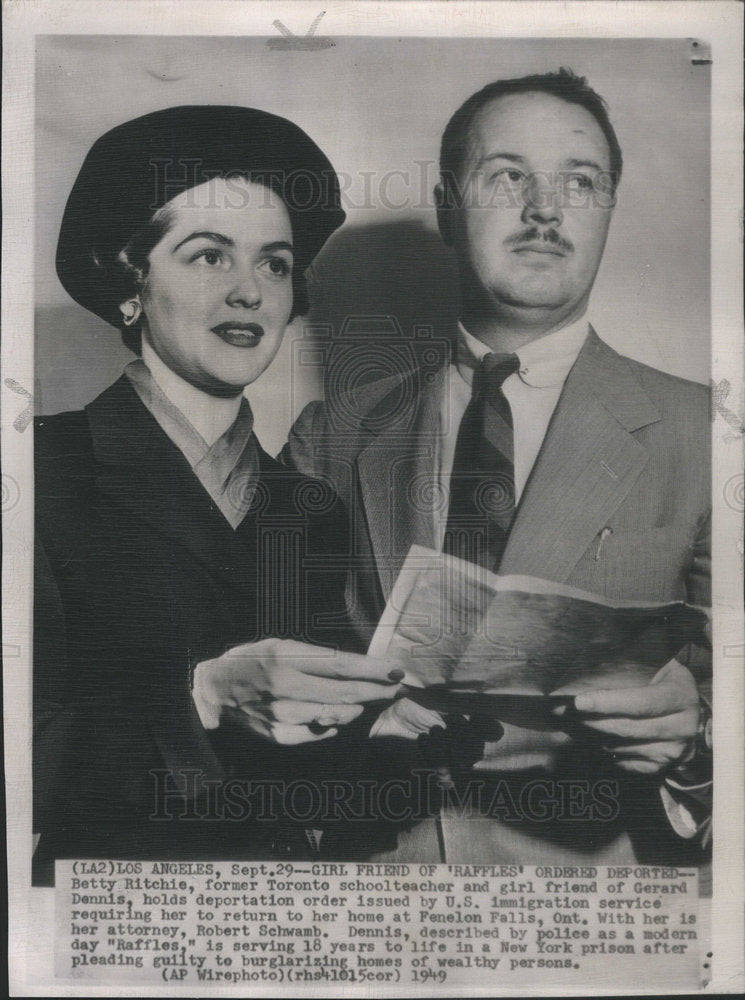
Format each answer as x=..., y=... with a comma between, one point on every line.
x=544, y=362
x=210, y=416
x=217, y=459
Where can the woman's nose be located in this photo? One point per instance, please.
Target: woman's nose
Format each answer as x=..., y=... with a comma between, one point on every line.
x=541, y=198
x=245, y=291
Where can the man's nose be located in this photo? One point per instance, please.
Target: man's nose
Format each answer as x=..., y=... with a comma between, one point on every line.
x=541, y=200
x=245, y=290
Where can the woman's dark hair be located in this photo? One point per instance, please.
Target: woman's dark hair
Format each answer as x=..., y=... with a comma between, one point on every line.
x=129, y=270
x=565, y=85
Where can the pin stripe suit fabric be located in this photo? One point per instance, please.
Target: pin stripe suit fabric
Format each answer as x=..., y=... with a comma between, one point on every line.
x=626, y=458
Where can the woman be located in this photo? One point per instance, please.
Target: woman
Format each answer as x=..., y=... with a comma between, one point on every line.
x=165, y=534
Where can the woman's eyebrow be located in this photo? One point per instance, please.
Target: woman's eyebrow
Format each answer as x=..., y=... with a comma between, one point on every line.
x=227, y=242
x=277, y=245
x=215, y=237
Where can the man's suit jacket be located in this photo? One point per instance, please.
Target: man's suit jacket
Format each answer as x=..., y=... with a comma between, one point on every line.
x=626, y=460
x=139, y=577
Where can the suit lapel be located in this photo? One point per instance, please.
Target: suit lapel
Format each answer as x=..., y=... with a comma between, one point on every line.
x=396, y=469
x=142, y=470
x=587, y=465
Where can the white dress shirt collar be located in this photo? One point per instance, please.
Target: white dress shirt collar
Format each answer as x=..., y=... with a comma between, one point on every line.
x=544, y=362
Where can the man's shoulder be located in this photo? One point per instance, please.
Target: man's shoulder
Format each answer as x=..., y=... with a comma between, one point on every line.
x=349, y=409
x=671, y=394
x=342, y=424
x=673, y=385
x=365, y=398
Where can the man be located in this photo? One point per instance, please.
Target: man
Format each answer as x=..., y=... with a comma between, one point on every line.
x=601, y=462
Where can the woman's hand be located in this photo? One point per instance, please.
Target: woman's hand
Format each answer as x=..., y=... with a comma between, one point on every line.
x=287, y=691
x=406, y=720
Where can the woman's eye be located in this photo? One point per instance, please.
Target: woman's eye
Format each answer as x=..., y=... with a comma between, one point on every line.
x=209, y=257
x=279, y=266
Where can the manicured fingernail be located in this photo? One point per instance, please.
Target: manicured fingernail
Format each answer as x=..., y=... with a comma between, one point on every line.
x=318, y=728
x=396, y=675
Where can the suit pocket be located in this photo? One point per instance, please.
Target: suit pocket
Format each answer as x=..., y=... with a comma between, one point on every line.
x=647, y=565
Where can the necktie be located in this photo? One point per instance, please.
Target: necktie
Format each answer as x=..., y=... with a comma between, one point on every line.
x=482, y=484
x=480, y=514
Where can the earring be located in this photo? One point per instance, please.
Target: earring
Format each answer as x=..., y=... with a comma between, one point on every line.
x=130, y=311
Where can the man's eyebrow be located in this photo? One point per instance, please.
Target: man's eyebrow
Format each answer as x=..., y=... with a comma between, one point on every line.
x=511, y=157
x=224, y=241
x=516, y=158
x=584, y=163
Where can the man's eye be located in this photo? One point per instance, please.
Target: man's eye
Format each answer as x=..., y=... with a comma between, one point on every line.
x=510, y=175
x=209, y=257
x=278, y=266
x=578, y=182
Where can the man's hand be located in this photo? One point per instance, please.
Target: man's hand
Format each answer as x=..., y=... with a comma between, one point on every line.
x=645, y=729
x=288, y=691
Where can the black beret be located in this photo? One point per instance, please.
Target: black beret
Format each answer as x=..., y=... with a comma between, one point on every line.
x=137, y=167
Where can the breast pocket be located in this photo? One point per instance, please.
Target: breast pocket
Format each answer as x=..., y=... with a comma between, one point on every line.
x=647, y=565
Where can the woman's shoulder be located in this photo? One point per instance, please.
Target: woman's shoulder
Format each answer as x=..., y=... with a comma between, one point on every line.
x=65, y=472
x=62, y=440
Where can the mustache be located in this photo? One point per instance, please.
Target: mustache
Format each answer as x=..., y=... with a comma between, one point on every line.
x=535, y=235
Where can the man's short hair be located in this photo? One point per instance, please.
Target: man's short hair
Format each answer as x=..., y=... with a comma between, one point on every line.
x=565, y=85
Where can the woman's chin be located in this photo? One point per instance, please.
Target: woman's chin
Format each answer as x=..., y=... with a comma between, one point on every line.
x=230, y=381
x=222, y=389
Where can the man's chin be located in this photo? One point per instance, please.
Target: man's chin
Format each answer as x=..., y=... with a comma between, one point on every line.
x=536, y=304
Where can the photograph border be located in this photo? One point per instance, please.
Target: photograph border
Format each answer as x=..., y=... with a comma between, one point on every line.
x=715, y=22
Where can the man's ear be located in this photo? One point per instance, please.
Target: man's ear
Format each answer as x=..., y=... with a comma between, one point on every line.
x=444, y=215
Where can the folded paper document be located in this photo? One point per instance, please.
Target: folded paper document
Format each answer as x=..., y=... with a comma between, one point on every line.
x=466, y=636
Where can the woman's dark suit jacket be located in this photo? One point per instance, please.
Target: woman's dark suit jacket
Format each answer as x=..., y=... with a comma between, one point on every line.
x=139, y=576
